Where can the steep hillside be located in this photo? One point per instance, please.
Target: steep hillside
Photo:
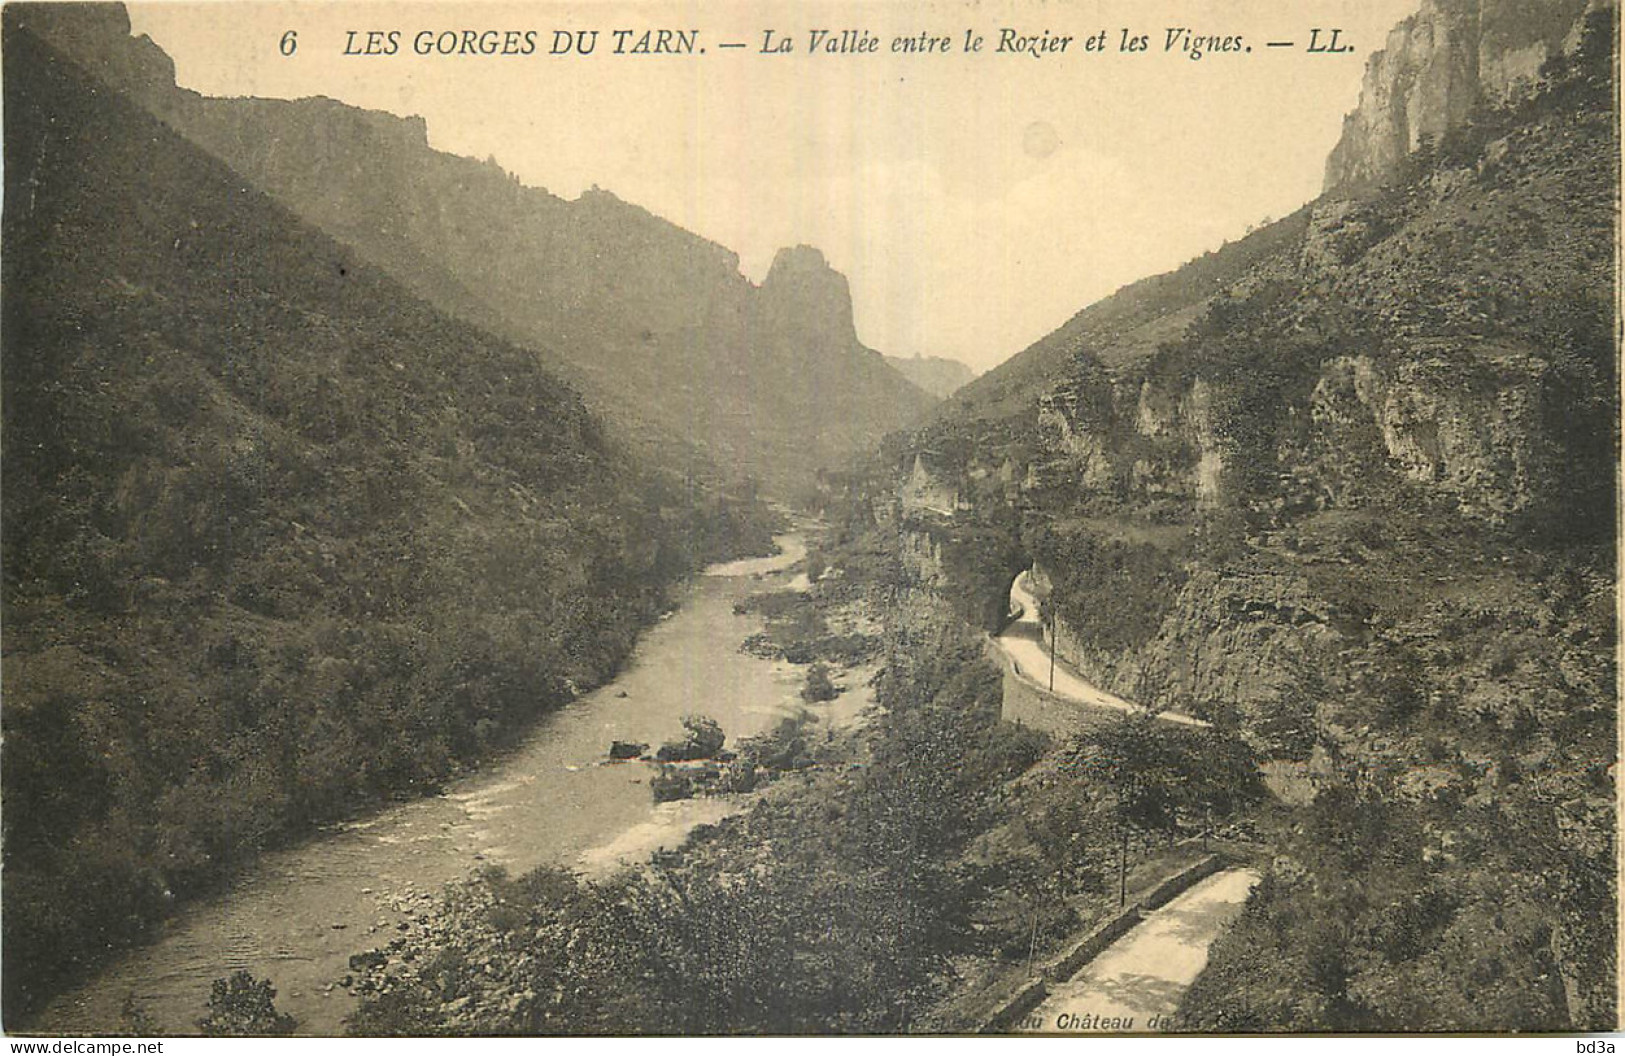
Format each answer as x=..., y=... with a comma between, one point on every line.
x=279, y=538
x=1356, y=500
x=1124, y=327
x=657, y=326
x=1442, y=68
x=939, y=376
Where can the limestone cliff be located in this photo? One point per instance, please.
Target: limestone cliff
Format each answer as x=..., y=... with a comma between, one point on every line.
x=1476, y=428
x=803, y=294
x=1240, y=486
x=1440, y=67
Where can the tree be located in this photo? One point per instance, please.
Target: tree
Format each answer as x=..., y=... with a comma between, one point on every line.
x=1129, y=758
x=1151, y=772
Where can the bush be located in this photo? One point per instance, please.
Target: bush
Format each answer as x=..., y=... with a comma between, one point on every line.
x=785, y=748
x=819, y=686
x=243, y=1006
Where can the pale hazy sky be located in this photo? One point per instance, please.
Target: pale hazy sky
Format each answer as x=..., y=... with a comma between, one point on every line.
x=973, y=201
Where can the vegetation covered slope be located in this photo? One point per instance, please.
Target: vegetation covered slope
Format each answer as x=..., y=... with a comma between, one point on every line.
x=1361, y=509
x=658, y=328
x=279, y=538
x=1124, y=327
x=1457, y=869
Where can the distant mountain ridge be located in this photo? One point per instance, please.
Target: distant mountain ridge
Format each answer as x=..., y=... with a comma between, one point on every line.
x=656, y=325
x=938, y=375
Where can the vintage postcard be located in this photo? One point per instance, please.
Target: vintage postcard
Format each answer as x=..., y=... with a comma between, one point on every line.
x=810, y=518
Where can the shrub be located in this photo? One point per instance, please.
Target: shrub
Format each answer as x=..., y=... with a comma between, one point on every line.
x=703, y=740
x=241, y=1005
x=819, y=686
x=785, y=748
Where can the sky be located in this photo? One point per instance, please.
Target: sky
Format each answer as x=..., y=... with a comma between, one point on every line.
x=974, y=200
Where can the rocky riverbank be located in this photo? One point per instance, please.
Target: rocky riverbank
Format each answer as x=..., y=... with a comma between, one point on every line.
x=471, y=959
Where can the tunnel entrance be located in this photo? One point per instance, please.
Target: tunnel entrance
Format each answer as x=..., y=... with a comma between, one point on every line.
x=1024, y=603
x=997, y=611
x=975, y=565
x=1019, y=606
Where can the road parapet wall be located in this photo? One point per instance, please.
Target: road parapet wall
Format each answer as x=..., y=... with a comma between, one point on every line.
x=1097, y=940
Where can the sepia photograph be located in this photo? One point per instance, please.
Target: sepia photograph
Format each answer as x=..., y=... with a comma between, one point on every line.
x=844, y=518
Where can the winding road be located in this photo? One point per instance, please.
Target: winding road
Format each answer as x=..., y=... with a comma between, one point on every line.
x=1137, y=983
x=1023, y=643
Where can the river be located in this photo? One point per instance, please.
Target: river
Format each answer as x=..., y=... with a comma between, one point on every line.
x=299, y=913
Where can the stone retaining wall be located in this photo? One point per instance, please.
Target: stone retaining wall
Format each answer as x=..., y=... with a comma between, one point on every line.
x=1032, y=705
x=1028, y=703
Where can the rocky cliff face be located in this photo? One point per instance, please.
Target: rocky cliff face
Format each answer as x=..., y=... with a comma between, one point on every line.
x=802, y=294
x=1386, y=395
x=1473, y=425
x=1439, y=67
x=1105, y=436
x=657, y=326
x=98, y=37
x=1477, y=428
x=1236, y=645
x=1349, y=491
